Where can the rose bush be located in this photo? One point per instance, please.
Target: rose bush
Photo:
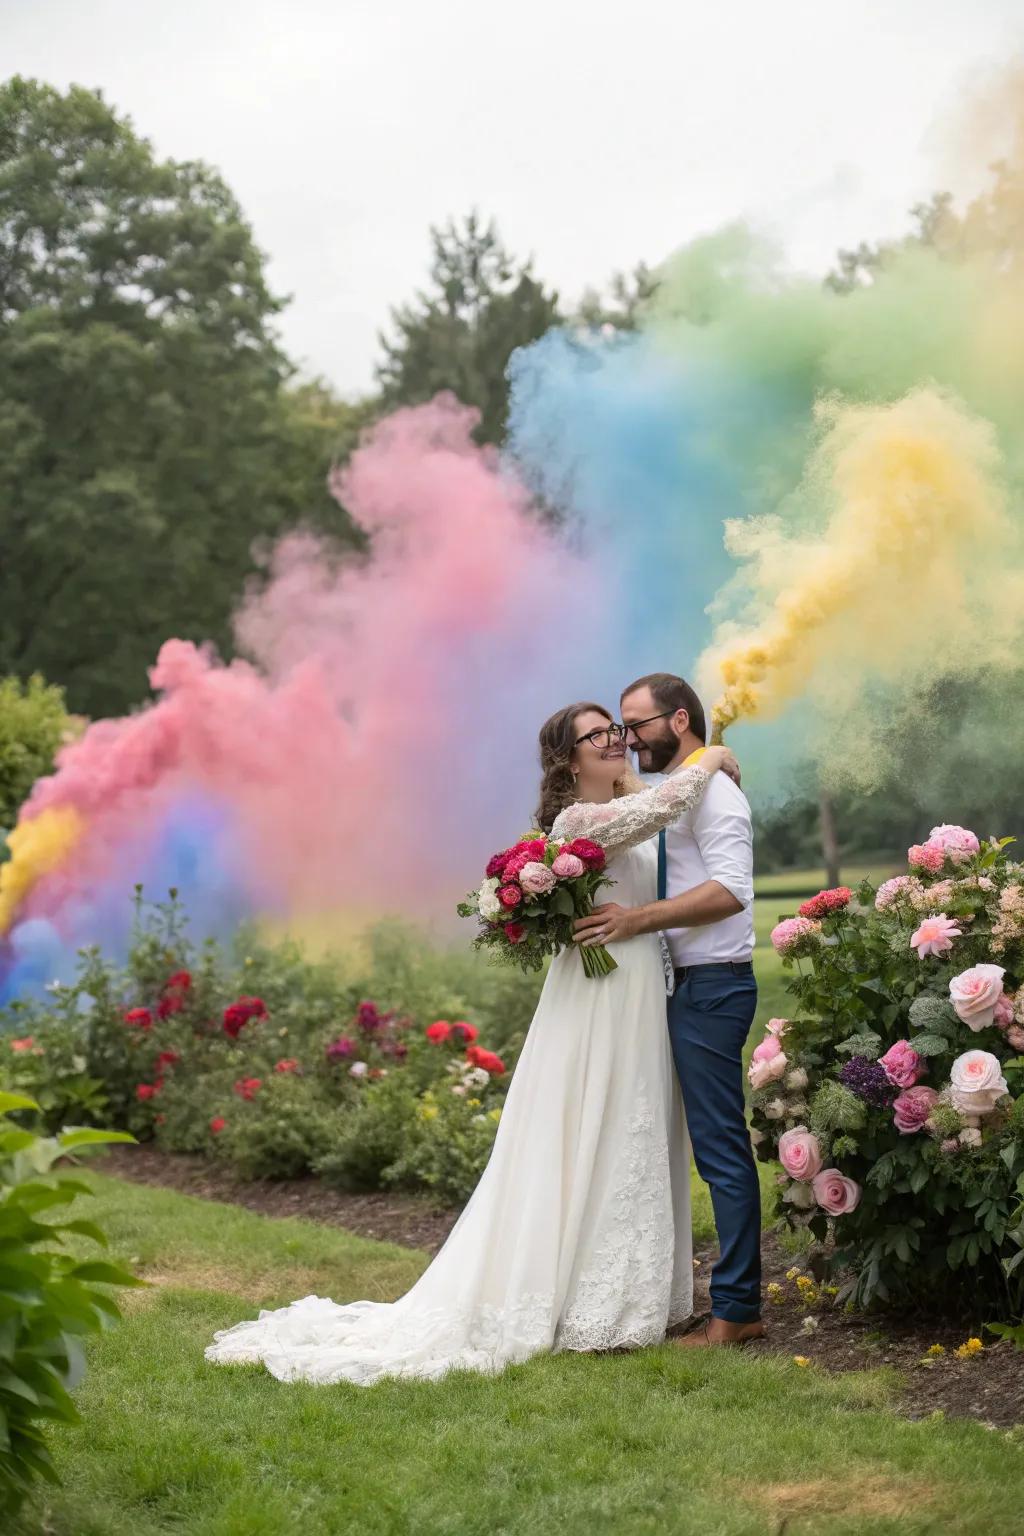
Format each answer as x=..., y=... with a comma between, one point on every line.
x=893, y=1095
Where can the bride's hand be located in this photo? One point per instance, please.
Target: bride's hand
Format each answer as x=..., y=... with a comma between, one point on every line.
x=717, y=759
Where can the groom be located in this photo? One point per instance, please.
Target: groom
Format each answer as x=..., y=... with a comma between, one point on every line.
x=705, y=908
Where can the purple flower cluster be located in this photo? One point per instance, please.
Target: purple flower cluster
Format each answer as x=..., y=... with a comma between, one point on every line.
x=340, y=1049
x=868, y=1081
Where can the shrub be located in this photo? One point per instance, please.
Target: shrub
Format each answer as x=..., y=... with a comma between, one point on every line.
x=33, y=724
x=280, y=1132
x=48, y=1299
x=891, y=1096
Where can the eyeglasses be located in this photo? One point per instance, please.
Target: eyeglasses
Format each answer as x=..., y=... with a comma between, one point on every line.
x=649, y=721
x=604, y=736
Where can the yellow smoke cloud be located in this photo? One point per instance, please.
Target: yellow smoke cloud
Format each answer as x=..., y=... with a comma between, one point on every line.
x=36, y=847
x=890, y=564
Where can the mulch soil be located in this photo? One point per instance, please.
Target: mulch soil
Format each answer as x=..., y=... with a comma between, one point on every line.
x=988, y=1387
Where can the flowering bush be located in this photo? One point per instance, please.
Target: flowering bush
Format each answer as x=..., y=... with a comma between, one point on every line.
x=892, y=1097
x=532, y=894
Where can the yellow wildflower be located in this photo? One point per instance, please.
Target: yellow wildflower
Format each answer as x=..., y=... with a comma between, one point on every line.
x=935, y=1350
x=801, y=1360
x=473, y=1103
x=495, y=1115
x=774, y=1292
x=428, y=1111
x=969, y=1350
x=791, y=1274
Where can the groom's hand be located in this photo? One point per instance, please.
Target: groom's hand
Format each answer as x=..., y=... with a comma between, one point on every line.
x=608, y=924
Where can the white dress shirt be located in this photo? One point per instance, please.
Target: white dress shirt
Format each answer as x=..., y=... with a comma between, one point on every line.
x=713, y=842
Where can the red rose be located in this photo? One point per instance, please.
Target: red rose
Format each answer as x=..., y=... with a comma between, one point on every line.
x=515, y=932
x=496, y=863
x=168, y=1059
x=236, y=1015
x=171, y=1002
x=510, y=896
x=825, y=902
x=139, y=1018
x=248, y=1087
x=517, y=863
x=217, y=1124
x=147, y=1091
x=466, y=1033
x=591, y=854
x=181, y=981
x=478, y=1057
x=287, y=1064
x=439, y=1032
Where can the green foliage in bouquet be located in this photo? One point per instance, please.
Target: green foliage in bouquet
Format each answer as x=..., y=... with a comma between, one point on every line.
x=49, y=1300
x=893, y=1095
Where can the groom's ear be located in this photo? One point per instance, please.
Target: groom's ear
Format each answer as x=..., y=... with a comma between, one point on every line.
x=681, y=722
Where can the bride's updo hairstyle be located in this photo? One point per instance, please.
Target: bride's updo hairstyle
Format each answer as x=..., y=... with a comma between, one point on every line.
x=557, y=744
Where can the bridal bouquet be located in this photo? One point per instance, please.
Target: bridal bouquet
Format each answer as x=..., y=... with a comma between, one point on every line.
x=532, y=894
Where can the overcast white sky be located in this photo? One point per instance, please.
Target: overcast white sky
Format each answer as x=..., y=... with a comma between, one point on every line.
x=597, y=132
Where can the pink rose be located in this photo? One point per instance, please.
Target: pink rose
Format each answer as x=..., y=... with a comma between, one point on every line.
x=835, y=1193
x=974, y=994
x=800, y=1153
x=934, y=937
x=536, y=879
x=766, y=1069
x=912, y=1108
x=976, y=1082
x=957, y=842
x=902, y=1064
x=794, y=934
x=510, y=896
x=777, y=1027
x=929, y=856
x=1015, y=1037
x=768, y=1048
x=567, y=867
x=1003, y=1015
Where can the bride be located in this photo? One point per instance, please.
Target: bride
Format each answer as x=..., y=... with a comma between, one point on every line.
x=577, y=1236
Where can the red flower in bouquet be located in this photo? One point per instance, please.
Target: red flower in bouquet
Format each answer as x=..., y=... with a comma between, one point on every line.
x=591, y=854
x=478, y=1057
x=147, y=1091
x=515, y=932
x=248, y=1087
x=438, y=1032
x=237, y=1015
x=510, y=896
x=217, y=1124
x=496, y=863
x=825, y=902
x=465, y=1033
x=139, y=1018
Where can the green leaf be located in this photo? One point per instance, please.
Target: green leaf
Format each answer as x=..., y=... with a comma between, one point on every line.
x=865, y=1044
x=930, y=1045
x=9, y=1102
x=934, y=1014
x=87, y=1137
x=103, y=1273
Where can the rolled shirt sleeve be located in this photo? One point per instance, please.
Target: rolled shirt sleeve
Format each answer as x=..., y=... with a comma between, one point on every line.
x=724, y=835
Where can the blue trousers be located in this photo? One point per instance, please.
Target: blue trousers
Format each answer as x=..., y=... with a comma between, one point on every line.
x=709, y=1018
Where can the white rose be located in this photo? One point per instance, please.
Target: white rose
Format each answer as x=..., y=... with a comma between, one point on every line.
x=977, y=1072
x=477, y=1078
x=970, y=1136
x=487, y=902
x=800, y=1195
x=797, y=1078
x=775, y=1109
x=358, y=1069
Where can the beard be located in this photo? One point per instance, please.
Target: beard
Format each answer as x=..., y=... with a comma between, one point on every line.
x=655, y=755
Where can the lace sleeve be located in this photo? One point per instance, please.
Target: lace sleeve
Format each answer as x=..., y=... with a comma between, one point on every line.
x=633, y=819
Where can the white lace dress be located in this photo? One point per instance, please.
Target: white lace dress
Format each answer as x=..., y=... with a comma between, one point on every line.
x=577, y=1236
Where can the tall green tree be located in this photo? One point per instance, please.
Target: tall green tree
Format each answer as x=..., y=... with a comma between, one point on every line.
x=459, y=333
x=148, y=438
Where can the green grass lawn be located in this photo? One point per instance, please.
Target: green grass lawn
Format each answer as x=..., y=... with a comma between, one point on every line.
x=660, y=1441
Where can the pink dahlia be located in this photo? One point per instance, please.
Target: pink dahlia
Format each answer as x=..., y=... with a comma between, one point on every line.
x=935, y=936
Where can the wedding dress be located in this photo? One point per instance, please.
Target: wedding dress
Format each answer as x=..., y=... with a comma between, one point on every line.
x=577, y=1236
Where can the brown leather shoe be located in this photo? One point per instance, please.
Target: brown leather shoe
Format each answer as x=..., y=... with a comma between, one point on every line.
x=716, y=1331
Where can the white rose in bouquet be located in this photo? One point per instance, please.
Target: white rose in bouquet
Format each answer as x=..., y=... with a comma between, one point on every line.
x=976, y=1083
x=487, y=900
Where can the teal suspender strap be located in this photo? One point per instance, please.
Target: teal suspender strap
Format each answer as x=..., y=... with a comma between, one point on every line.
x=662, y=866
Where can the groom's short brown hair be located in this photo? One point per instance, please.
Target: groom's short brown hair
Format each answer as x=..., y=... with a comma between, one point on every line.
x=670, y=693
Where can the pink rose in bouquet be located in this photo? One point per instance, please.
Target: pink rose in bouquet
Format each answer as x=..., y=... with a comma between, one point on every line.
x=1003, y=1014
x=510, y=896
x=935, y=936
x=835, y=1193
x=568, y=867
x=975, y=994
x=777, y=1027
x=537, y=879
x=592, y=854
x=976, y=1083
x=956, y=842
x=800, y=1153
x=902, y=1064
x=911, y=1109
